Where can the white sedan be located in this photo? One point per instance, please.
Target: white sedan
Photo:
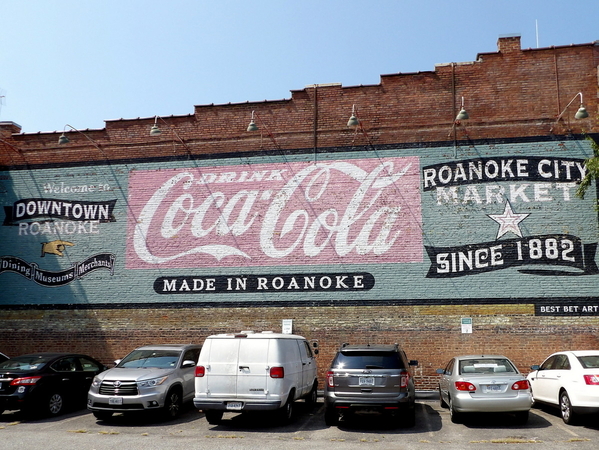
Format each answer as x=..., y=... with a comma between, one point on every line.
x=569, y=380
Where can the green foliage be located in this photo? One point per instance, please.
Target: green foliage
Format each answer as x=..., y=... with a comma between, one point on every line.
x=592, y=174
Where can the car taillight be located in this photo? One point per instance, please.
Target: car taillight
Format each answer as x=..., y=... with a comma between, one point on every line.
x=200, y=371
x=591, y=379
x=277, y=372
x=520, y=385
x=465, y=386
x=27, y=381
x=404, y=380
x=330, y=379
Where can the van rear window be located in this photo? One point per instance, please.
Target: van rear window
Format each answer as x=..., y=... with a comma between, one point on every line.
x=368, y=360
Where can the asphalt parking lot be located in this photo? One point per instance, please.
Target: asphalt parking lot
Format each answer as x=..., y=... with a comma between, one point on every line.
x=434, y=429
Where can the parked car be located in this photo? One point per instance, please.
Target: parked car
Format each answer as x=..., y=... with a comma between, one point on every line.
x=150, y=378
x=370, y=378
x=568, y=380
x=248, y=372
x=46, y=382
x=484, y=383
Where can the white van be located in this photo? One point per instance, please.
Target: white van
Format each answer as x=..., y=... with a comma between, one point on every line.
x=250, y=371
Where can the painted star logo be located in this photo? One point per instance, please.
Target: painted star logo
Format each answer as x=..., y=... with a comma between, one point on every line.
x=508, y=221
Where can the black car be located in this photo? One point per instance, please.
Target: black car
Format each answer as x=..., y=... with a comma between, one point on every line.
x=46, y=383
x=3, y=357
x=370, y=379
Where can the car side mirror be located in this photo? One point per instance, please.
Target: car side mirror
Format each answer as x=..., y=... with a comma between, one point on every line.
x=188, y=363
x=440, y=371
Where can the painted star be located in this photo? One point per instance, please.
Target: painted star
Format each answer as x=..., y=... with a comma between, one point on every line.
x=508, y=221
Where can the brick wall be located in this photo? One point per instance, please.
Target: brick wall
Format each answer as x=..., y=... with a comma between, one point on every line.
x=430, y=334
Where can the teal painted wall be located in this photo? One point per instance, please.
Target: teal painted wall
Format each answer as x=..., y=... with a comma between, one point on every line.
x=480, y=223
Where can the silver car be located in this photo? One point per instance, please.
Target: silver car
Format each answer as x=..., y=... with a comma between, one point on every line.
x=484, y=383
x=154, y=377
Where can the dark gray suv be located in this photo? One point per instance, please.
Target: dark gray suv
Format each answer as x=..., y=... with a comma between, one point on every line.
x=370, y=378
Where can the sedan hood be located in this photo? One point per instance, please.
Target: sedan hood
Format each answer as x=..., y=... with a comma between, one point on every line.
x=133, y=374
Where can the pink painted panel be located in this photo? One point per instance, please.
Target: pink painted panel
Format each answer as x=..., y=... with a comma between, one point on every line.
x=360, y=211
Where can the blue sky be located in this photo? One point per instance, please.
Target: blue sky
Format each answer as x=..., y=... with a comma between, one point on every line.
x=81, y=62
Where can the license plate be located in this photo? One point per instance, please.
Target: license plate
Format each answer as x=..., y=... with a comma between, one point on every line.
x=115, y=401
x=493, y=388
x=366, y=381
x=235, y=406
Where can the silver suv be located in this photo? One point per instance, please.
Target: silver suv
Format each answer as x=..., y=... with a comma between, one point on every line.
x=370, y=379
x=154, y=377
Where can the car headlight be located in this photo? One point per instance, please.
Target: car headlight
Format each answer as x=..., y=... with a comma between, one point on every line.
x=96, y=382
x=151, y=383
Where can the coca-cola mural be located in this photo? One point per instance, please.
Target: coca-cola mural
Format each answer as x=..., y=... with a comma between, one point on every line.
x=339, y=212
x=488, y=224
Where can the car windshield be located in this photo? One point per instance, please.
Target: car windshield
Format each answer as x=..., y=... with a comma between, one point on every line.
x=486, y=365
x=25, y=362
x=155, y=359
x=368, y=360
x=589, y=362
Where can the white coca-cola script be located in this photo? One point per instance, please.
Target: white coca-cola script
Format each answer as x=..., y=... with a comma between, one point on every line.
x=337, y=212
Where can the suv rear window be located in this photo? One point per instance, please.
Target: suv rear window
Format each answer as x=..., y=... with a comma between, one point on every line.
x=368, y=360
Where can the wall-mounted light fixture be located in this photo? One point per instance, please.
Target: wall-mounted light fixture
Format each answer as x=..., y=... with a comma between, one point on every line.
x=353, y=121
x=357, y=125
x=581, y=113
x=462, y=115
x=156, y=131
x=253, y=126
x=63, y=139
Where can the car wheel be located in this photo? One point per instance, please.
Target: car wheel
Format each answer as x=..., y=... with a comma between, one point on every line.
x=331, y=418
x=102, y=415
x=54, y=404
x=287, y=410
x=442, y=402
x=312, y=397
x=521, y=417
x=408, y=418
x=565, y=406
x=173, y=404
x=456, y=417
x=213, y=417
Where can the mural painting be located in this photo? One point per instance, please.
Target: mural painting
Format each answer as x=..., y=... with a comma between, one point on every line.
x=489, y=224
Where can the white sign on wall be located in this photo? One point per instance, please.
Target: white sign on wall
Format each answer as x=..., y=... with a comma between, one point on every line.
x=466, y=325
x=287, y=326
